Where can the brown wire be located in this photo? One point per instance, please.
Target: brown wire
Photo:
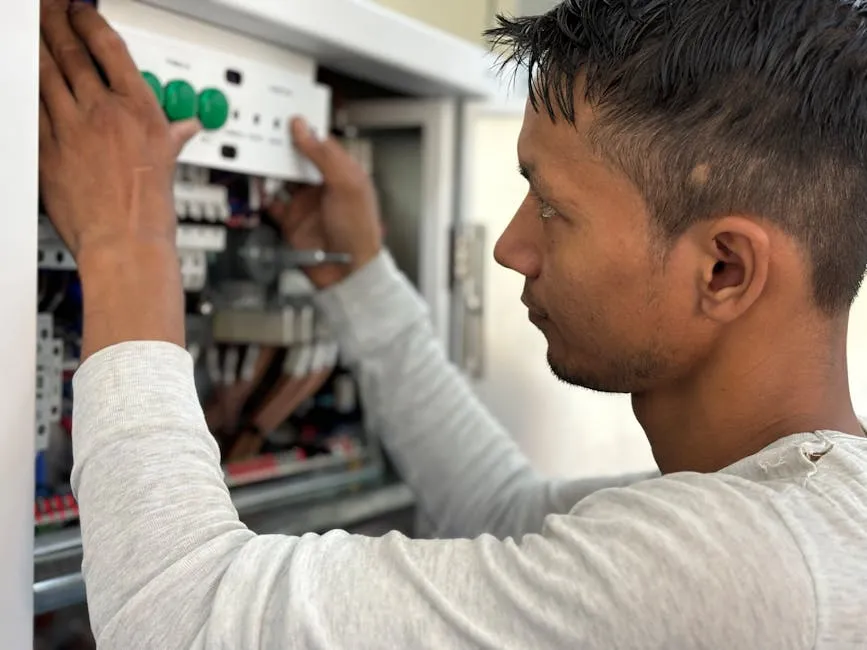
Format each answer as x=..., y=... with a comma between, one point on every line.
x=284, y=400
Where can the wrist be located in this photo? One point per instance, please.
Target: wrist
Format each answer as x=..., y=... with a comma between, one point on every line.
x=326, y=276
x=94, y=259
x=132, y=292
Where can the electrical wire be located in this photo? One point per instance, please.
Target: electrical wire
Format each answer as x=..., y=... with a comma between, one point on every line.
x=59, y=296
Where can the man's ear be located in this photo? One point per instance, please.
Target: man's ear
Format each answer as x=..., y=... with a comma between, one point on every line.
x=734, y=258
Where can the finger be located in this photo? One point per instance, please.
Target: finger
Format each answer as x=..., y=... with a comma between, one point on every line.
x=277, y=210
x=301, y=224
x=293, y=229
x=277, y=204
x=46, y=130
x=278, y=207
x=328, y=156
x=108, y=49
x=182, y=132
x=53, y=91
x=306, y=234
x=69, y=52
x=47, y=145
x=304, y=204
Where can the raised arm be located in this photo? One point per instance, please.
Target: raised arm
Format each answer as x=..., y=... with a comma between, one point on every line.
x=169, y=566
x=468, y=474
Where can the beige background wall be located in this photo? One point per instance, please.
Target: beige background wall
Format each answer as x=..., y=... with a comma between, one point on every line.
x=464, y=18
x=565, y=431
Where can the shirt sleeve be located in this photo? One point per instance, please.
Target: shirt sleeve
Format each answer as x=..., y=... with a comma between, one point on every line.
x=688, y=562
x=468, y=474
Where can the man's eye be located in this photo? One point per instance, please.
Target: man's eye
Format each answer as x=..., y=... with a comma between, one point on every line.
x=546, y=211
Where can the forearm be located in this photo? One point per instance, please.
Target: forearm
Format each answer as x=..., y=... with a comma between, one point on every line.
x=132, y=292
x=157, y=521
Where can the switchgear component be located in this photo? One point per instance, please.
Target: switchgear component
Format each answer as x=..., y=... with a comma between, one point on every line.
x=210, y=239
x=213, y=109
x=298, y=258
x=263, y=256
x=49, y=384
x=180, y=100
x=194, y=269
x=53, y=254
x=202, y=202
x=156, y=86
x=276, y=328
x=243, y=105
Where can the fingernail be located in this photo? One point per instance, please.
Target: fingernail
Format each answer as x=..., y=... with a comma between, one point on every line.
x=300, y=128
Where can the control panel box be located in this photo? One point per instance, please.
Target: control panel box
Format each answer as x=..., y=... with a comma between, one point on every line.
x=245, y=106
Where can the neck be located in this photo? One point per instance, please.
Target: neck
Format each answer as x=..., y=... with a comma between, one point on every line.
x=739, y=401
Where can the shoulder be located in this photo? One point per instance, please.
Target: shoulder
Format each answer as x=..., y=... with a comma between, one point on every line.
x=687, y=493
x=709, y=549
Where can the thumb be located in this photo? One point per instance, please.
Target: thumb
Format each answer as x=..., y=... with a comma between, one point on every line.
x=322, y=153
x=183, y=132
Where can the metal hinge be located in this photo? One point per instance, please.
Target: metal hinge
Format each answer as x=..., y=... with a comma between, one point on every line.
x=467, y=285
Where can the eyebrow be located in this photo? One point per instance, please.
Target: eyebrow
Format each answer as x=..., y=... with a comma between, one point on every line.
x=528, y=171
x=543, y=191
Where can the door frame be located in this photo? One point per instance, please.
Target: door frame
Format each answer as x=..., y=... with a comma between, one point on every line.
x=437, y=121
x=508, y=104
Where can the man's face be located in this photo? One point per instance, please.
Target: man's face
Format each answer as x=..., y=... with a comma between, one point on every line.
x=616, y=316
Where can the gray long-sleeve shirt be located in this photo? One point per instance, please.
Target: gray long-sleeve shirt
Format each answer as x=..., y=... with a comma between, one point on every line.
x=770, y=553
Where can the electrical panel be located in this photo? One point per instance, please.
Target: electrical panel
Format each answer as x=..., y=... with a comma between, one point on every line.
x=283, y=408
x=245, y=106
x=268, y=371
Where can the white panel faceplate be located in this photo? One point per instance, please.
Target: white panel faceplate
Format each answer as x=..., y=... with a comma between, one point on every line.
x=255, y=140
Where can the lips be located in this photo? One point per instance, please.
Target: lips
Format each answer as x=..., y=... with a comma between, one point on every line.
x=535, y=312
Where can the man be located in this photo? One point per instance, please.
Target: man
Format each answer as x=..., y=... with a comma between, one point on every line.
x=694, y=234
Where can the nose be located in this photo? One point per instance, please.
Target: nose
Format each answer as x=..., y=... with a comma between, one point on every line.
x=518, y=247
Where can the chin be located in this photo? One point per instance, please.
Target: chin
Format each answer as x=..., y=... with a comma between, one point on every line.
x=634, y=373
x=600, y=382
x=568, y=373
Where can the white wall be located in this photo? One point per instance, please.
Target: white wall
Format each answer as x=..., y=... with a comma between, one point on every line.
x=19, y=66
x=564, y=430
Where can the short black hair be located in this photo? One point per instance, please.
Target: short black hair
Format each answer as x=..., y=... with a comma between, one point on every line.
x=768, y=98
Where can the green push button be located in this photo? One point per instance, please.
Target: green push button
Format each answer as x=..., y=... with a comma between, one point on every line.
x=213, y=109
x=155, y=85
x=180, y=101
